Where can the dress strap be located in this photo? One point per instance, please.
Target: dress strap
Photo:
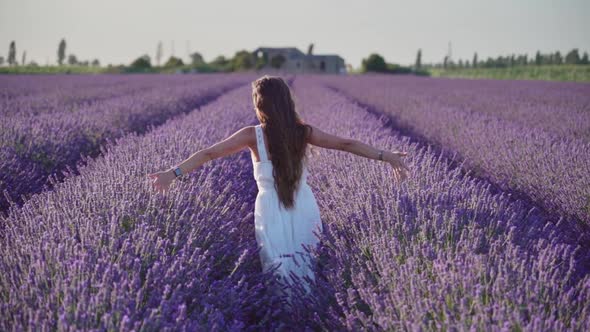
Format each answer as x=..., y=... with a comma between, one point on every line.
x=260, y=144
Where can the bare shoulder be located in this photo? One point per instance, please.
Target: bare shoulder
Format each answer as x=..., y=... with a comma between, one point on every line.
x=243, y=136
x=248, y=134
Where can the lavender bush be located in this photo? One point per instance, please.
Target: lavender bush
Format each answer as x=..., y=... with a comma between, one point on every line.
x=529, y=138
x=32, y=95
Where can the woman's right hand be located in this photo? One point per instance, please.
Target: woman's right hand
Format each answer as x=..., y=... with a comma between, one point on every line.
x=399, y=167
x=162, y=180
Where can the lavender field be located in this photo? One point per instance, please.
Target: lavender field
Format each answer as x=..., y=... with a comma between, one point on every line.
x=529, y=138
x=490, y=231
x=49, y=125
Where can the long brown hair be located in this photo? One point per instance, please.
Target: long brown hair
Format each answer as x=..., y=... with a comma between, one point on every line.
x=286, y=132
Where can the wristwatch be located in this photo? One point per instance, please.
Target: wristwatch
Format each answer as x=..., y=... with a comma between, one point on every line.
x=177, y=171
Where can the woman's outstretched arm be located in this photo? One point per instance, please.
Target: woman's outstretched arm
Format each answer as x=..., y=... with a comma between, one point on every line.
x=328, y=141
x=236, y=142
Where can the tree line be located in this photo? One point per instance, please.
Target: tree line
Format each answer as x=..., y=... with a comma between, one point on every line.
x=376, y=63
x=553, y=58
x=242, y=60
x=72, y=60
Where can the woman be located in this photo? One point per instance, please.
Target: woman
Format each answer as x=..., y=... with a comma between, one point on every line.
x=285, y=212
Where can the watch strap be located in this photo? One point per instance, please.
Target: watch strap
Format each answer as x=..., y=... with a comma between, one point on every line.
x=177, y=171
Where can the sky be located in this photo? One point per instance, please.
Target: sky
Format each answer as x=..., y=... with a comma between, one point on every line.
x=118, y=31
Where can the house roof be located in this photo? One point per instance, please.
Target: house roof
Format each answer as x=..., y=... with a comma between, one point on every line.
x=295, y=52
x=326, y=56
x=289, y=50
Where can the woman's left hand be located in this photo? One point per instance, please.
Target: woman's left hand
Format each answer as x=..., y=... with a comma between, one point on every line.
x=399, y=167
x=162, y=180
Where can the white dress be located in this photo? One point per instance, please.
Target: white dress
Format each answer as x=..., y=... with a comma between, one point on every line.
x=281, y=232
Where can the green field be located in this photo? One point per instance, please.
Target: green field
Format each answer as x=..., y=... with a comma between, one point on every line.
x=100, y=70
x=575, y=73
x=52, y=70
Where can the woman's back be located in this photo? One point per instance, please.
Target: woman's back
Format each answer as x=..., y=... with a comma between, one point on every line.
x=263, y=171
x=281, y=232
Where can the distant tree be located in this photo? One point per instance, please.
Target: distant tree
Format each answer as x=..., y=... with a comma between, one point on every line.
x=394, y=68
x=418, y=64
x=197, y=59
x=501, y=61
x=538, y=58
x=261, y=61
x=1, y=60
x=549, y=60
x=467, y=63
x=141, y=64
x=220, y=63
x=584, y=60
x=512, y=60
x=277, y=61
x=474, y=62
x=24, y=58
x=243, y=60
x=61, y=52
x=558, y=59
x=95, y=63
x=159, y=52
x=72, y=60
x=173, y=62
x=490, y=62
x=310, y=49
x=572, y=57
x=374, y=63
x=446, y=61
x=12, y=53
x=33, y=64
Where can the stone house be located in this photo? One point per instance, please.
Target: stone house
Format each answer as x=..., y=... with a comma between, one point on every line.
x=291, y=59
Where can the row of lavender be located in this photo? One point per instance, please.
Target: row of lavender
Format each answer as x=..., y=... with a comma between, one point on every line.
x=532, y=138
x=103, y=250
x=35, y=147
x=437, y=252
x=26, y=96
x=15, y=86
